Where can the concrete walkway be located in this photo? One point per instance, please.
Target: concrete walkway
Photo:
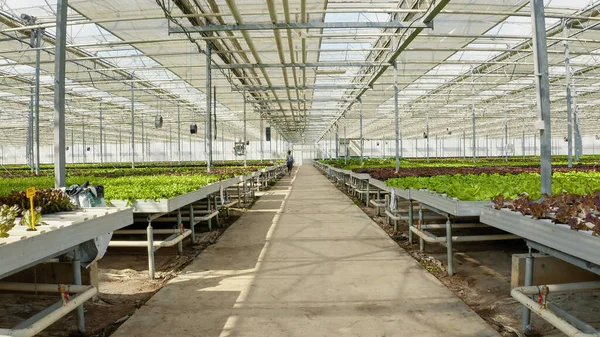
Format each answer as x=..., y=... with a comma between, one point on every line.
x=305, y=261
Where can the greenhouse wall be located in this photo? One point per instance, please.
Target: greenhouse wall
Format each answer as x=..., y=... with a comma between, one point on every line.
x=453, y=147
x=374, y=148
x=152, y=152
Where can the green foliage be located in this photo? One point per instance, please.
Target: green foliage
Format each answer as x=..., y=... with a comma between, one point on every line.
x=354, y=163
x=37, y=219
x=128, y=188
x=49, y=200
x=473, y=187
x=8, y=215
x=152, y=187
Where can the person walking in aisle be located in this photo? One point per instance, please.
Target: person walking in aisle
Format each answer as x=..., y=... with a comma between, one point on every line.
x=290, y=162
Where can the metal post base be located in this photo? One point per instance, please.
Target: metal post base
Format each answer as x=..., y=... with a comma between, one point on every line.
x=77, y=281
x=526, y=322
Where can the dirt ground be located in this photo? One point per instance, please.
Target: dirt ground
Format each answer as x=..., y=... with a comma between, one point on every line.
x=482, y=280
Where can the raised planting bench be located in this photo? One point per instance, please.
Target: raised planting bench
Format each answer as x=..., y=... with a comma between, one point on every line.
x=63, y=234
x=452, y=209
x=579, y=248
x=152, y=211
x=268, y=174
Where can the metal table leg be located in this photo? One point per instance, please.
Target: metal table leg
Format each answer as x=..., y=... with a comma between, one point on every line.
x=449, y=246
x=421, y=222
x=410, y=221
x=77, y=281
x=193, y=224
x=150, y=238
x=179, y=225
x=210, y=219
x=526, y=323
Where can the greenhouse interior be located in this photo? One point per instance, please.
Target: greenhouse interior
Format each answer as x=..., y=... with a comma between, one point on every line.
x=300, y=168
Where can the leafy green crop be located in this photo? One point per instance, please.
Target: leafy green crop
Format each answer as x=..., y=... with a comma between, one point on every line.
x=26, y=219
x=8, y=215
x=123, y=188
x=354, y=163
x=473, y=187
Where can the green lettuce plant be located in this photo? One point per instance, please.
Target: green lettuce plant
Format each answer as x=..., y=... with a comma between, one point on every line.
x=8, y=215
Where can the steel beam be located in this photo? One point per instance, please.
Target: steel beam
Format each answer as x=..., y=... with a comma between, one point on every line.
x=208, y=103
x=37, y=34
x=321, y=64
x=396, y=118
x=300, y=25
x=132, y=125
x=178, y=134
x=542, y=92
x=362, y=141
x=59, y=95
x=569, y=107
x=101, y=139
x=245, y=139
x=473, y=118
x=337, y=141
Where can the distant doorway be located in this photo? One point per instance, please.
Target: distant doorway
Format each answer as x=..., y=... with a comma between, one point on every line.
x=298, y=157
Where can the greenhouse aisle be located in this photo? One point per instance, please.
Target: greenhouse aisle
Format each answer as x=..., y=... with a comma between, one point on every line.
x=304, y=261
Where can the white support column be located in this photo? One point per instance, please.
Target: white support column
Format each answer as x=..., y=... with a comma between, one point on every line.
x=178, y=133
x=540, y=53
x=396, y=117
x=245, y=135
x=101, y=137
x=59, y=95
x=362, y=141
x=569, y=107
x=473, y=117
x=132, y=124
x=208, y=104
x=38, y=42
x=427, y=134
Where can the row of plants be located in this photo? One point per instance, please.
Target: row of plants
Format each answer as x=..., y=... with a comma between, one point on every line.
x=479, y=187
x=374, y=163
x=579, y=212
x=119, y=184
x=46, y=169
x=384, y=174
x=225, y=163
x=144, y=171
x=17, y=204
x=123, y=188
x=575, y=199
